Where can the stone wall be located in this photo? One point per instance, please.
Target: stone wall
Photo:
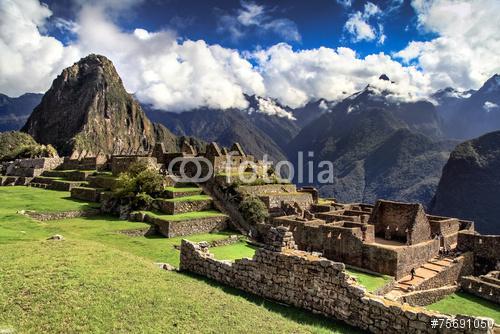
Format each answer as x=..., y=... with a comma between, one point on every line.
x=313, y=283
x=481, y=288
x=101, y=181
x=351, y=245
x=86, y=194
x=45, y=216
x=304, y=200
x=120, y=164
x=175, y=207
x=31, y=167
x=268, y=189
x=15, y=180
x=427, y=297
x=486, y=250
x=404, y=222
x=172, y=229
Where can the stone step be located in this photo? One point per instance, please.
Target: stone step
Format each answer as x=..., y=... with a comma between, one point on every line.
x=175, y=225
x=176, y=192
x=102, y=181
x=87, y=194
x=62, y=185
x=71, y=175
x=44, y=179
x=423, y=273
x=184, y=204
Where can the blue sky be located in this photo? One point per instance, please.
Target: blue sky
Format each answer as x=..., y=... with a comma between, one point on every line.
x=319, y=22
x=183, y=54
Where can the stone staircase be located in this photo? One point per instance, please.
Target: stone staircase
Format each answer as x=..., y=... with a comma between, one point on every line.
x=424, y=274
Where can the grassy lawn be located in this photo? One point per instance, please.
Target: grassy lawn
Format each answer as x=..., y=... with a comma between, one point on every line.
x=189, y=198
x=371, y=282
x=186, y=215
x=182, y=189
x=99, y=280
x=464, y=303
x=235, y=251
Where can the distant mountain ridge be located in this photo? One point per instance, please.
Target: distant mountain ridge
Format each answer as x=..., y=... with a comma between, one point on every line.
x=87, y=110
x=259, y=131
x=14, y=111
x=380, y=148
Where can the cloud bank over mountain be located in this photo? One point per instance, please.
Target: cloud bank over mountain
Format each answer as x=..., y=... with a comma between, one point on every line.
x=179, y=74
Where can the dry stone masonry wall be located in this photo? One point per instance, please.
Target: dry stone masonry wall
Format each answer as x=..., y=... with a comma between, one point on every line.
x=313, y=283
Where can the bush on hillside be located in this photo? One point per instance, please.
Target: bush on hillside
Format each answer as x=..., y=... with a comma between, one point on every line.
x=17, y=145
x=253, y=210
x=140, y=184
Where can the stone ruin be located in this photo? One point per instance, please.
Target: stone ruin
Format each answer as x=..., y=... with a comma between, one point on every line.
x=280, y=272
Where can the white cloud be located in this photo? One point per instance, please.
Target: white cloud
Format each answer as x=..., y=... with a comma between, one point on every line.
x=254, y=16
x=465, y=53
x=180, y=75
x=359, y=27
x=345, y=3
x=295, y=77
x=489, y=106
x=269, y=107
x=29, y=61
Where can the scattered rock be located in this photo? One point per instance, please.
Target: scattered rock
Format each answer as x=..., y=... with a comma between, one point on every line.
x=57, y=237
x=166, y=266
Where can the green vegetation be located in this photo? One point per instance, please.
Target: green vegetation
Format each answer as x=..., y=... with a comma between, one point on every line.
x=235, y=251
x=182, y=189
x=186, y=215
x=189, y=198
x=99, y=280
x=253, y=210
x=371, y=282
x=464, y=303
x=18, y=145
x=139, y=184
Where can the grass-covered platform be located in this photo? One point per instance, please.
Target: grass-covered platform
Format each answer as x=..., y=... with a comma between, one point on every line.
x=100, y=280
x=465, y=303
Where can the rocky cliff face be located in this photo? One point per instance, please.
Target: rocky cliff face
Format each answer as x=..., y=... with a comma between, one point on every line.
x=470, y=185
x=87, y=109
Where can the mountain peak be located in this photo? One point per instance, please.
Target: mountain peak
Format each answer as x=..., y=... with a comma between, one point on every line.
x=87, y=109
x=384, y=77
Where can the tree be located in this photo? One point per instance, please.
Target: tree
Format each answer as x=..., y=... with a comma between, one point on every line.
x=253, y=210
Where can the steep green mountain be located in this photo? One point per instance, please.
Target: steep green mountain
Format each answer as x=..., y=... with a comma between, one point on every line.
x=14, y=111
x=88, y=110
x=470, y=184
x=379, y=148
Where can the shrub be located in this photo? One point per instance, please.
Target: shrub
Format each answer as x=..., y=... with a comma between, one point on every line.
x=253, y=210
x=140, y=183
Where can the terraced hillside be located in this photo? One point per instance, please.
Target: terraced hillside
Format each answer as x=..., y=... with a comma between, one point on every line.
x=102, y=278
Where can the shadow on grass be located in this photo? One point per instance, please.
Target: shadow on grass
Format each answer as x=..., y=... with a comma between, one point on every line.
x=300, y=316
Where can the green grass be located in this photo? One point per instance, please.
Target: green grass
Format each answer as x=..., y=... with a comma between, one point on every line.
x=101, y=281
x=235, y=251
x=182, y=189
x=467, y=304
x=186, y=215
x=189, y=198
x=371, y=282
